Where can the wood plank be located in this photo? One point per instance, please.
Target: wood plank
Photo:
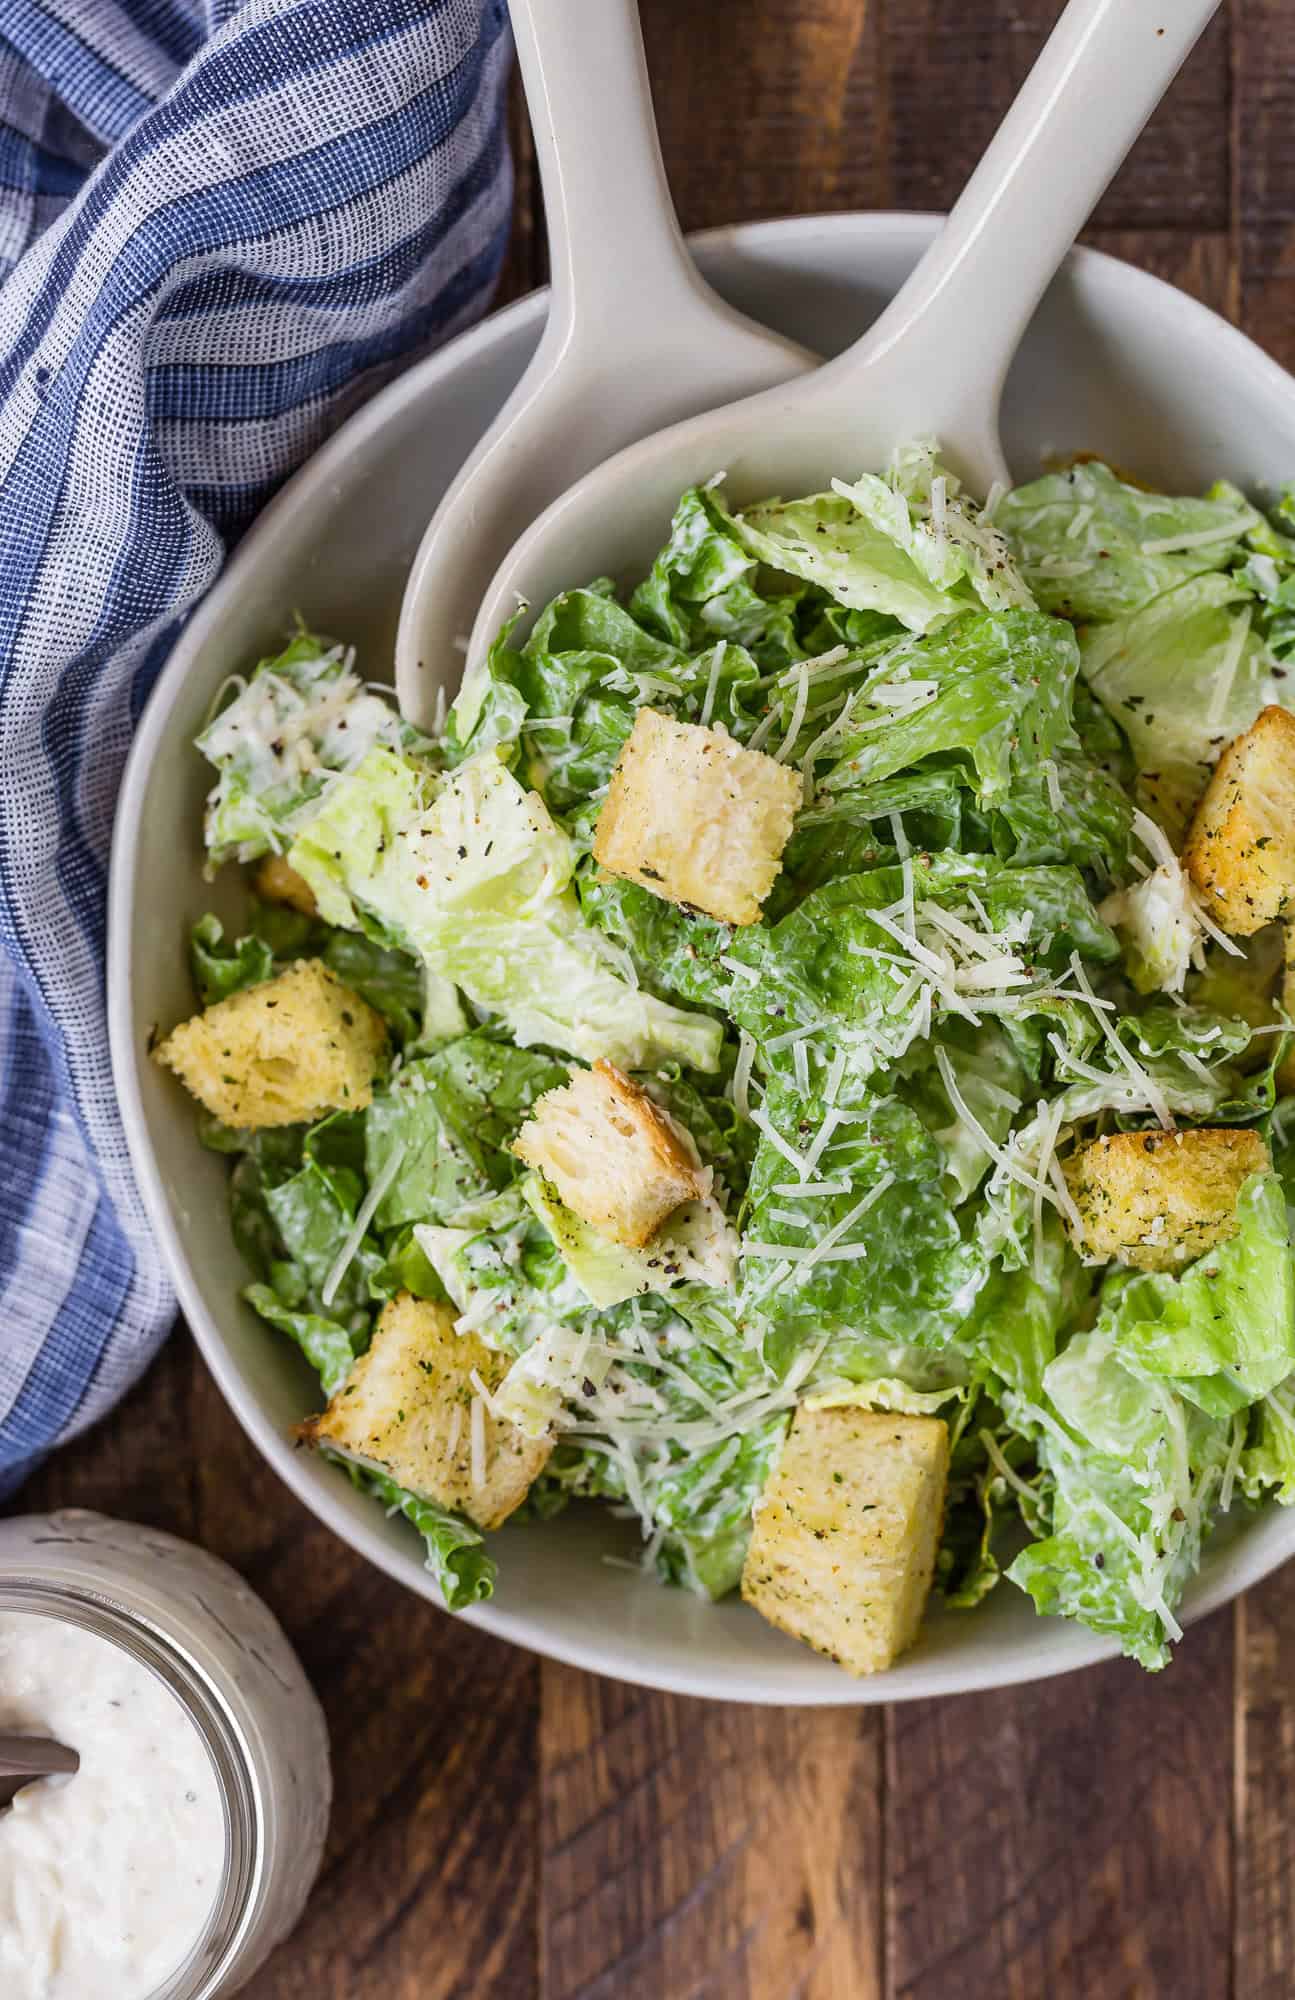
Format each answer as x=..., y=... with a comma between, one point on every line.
x=427, y=1889
x=1264, y=138
x=768, y=114
x=1264, y=1952
x=951, y=71
x=1202, y=263
x=698, y=1851
x=1069, y=1839
x=1264, y=1956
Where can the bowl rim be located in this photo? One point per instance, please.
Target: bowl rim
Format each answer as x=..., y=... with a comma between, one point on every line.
x=1244, y=1566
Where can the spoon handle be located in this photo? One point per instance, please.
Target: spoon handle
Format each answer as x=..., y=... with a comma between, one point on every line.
x=961, y=314
x=34, y=1757
x=614, y=238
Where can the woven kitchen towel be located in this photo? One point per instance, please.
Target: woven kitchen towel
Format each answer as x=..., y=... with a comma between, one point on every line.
x=218, y=224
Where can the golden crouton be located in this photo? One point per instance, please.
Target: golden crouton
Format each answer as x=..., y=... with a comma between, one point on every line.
x=843, y=1547
x=275, y=882
x=281, y=1053
x=1158, y=1200
x=612, y=1156
x=697, y=819
x=1240, y=851
x=407, y=1407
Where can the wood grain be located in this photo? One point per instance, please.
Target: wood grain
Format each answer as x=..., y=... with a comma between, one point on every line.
x=1041, y=1840
x=706, y=1852
x=1264, y=1938
x=1263, y=128
x=949, y=72
x=506, y=1831
x=1263, y=132
x=771, y=109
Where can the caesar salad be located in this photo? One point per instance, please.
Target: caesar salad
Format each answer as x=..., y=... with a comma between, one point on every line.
x=797, y=1055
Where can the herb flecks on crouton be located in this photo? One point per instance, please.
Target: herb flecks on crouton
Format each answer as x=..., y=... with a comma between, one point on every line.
x=281, y=1053
x=410, y=1407
x=695, y=818
x=1240, y=851
x=615, y=1160
x=1159, y=1200
x=843, y=1547
x=276, y=882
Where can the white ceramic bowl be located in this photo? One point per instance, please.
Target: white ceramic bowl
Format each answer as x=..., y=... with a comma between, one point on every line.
x=1116, y=363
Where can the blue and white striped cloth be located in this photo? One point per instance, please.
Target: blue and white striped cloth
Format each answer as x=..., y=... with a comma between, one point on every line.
x=219, y=225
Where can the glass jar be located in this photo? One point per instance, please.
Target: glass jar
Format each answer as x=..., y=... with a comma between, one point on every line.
x=191, y=1620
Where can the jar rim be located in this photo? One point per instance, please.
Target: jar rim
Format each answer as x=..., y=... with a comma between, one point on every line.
x=200, y=1973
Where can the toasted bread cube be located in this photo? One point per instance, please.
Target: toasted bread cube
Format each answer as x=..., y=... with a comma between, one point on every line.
x=1159, y=1200
x=281, y=1053
x=275, y=882
x=407, y=1408
x=615, y=1159
x=697, y=819
x=843, y=1547
x=1240, y=851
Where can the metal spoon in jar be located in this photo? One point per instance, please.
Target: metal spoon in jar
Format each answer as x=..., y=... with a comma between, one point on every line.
x=23, y=1759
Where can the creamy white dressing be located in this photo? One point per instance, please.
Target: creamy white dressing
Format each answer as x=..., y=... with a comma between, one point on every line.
x=107, y=1878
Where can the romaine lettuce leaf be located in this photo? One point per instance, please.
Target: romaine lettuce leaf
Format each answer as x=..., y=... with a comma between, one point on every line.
x=1131, y=1472
x=1182, y=675
x=1223, y=1332
x=907, y=546
x=1093, y=547
x=992, y=689
x=704, y=1504
x=864, y=1244
x=454, y=1554
x=464, y=1573
x=1268, y=1462
x=504, y=1272
x=451, y=1116
x=223, y=967
x=328, y=1346
x=952, y=541
x=989, y=1078
x=476, y=881
x=706, y=586
x=694, y=1246
x=298, y=721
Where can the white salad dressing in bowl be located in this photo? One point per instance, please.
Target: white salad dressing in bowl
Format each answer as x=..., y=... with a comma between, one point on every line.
x=182, y=1850
x=108, y=1878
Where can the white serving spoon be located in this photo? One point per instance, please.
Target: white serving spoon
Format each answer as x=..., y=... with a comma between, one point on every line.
x=933, y=364
x=635, y=338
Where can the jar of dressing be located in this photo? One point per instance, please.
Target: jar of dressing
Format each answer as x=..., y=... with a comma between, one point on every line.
x=183, y=1849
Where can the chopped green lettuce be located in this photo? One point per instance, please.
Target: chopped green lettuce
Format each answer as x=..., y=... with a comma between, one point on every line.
x=476, y=881
x=1091, y=546
x=222, y=967
x=992, y=689
x=447, y=1121
x=1182, y=675
x=300, y=719
x=1131, y=1469
x=1223, y=1332
x=693, y=1246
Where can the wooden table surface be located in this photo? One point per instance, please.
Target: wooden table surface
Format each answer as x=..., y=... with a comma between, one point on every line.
x=506, y=1829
